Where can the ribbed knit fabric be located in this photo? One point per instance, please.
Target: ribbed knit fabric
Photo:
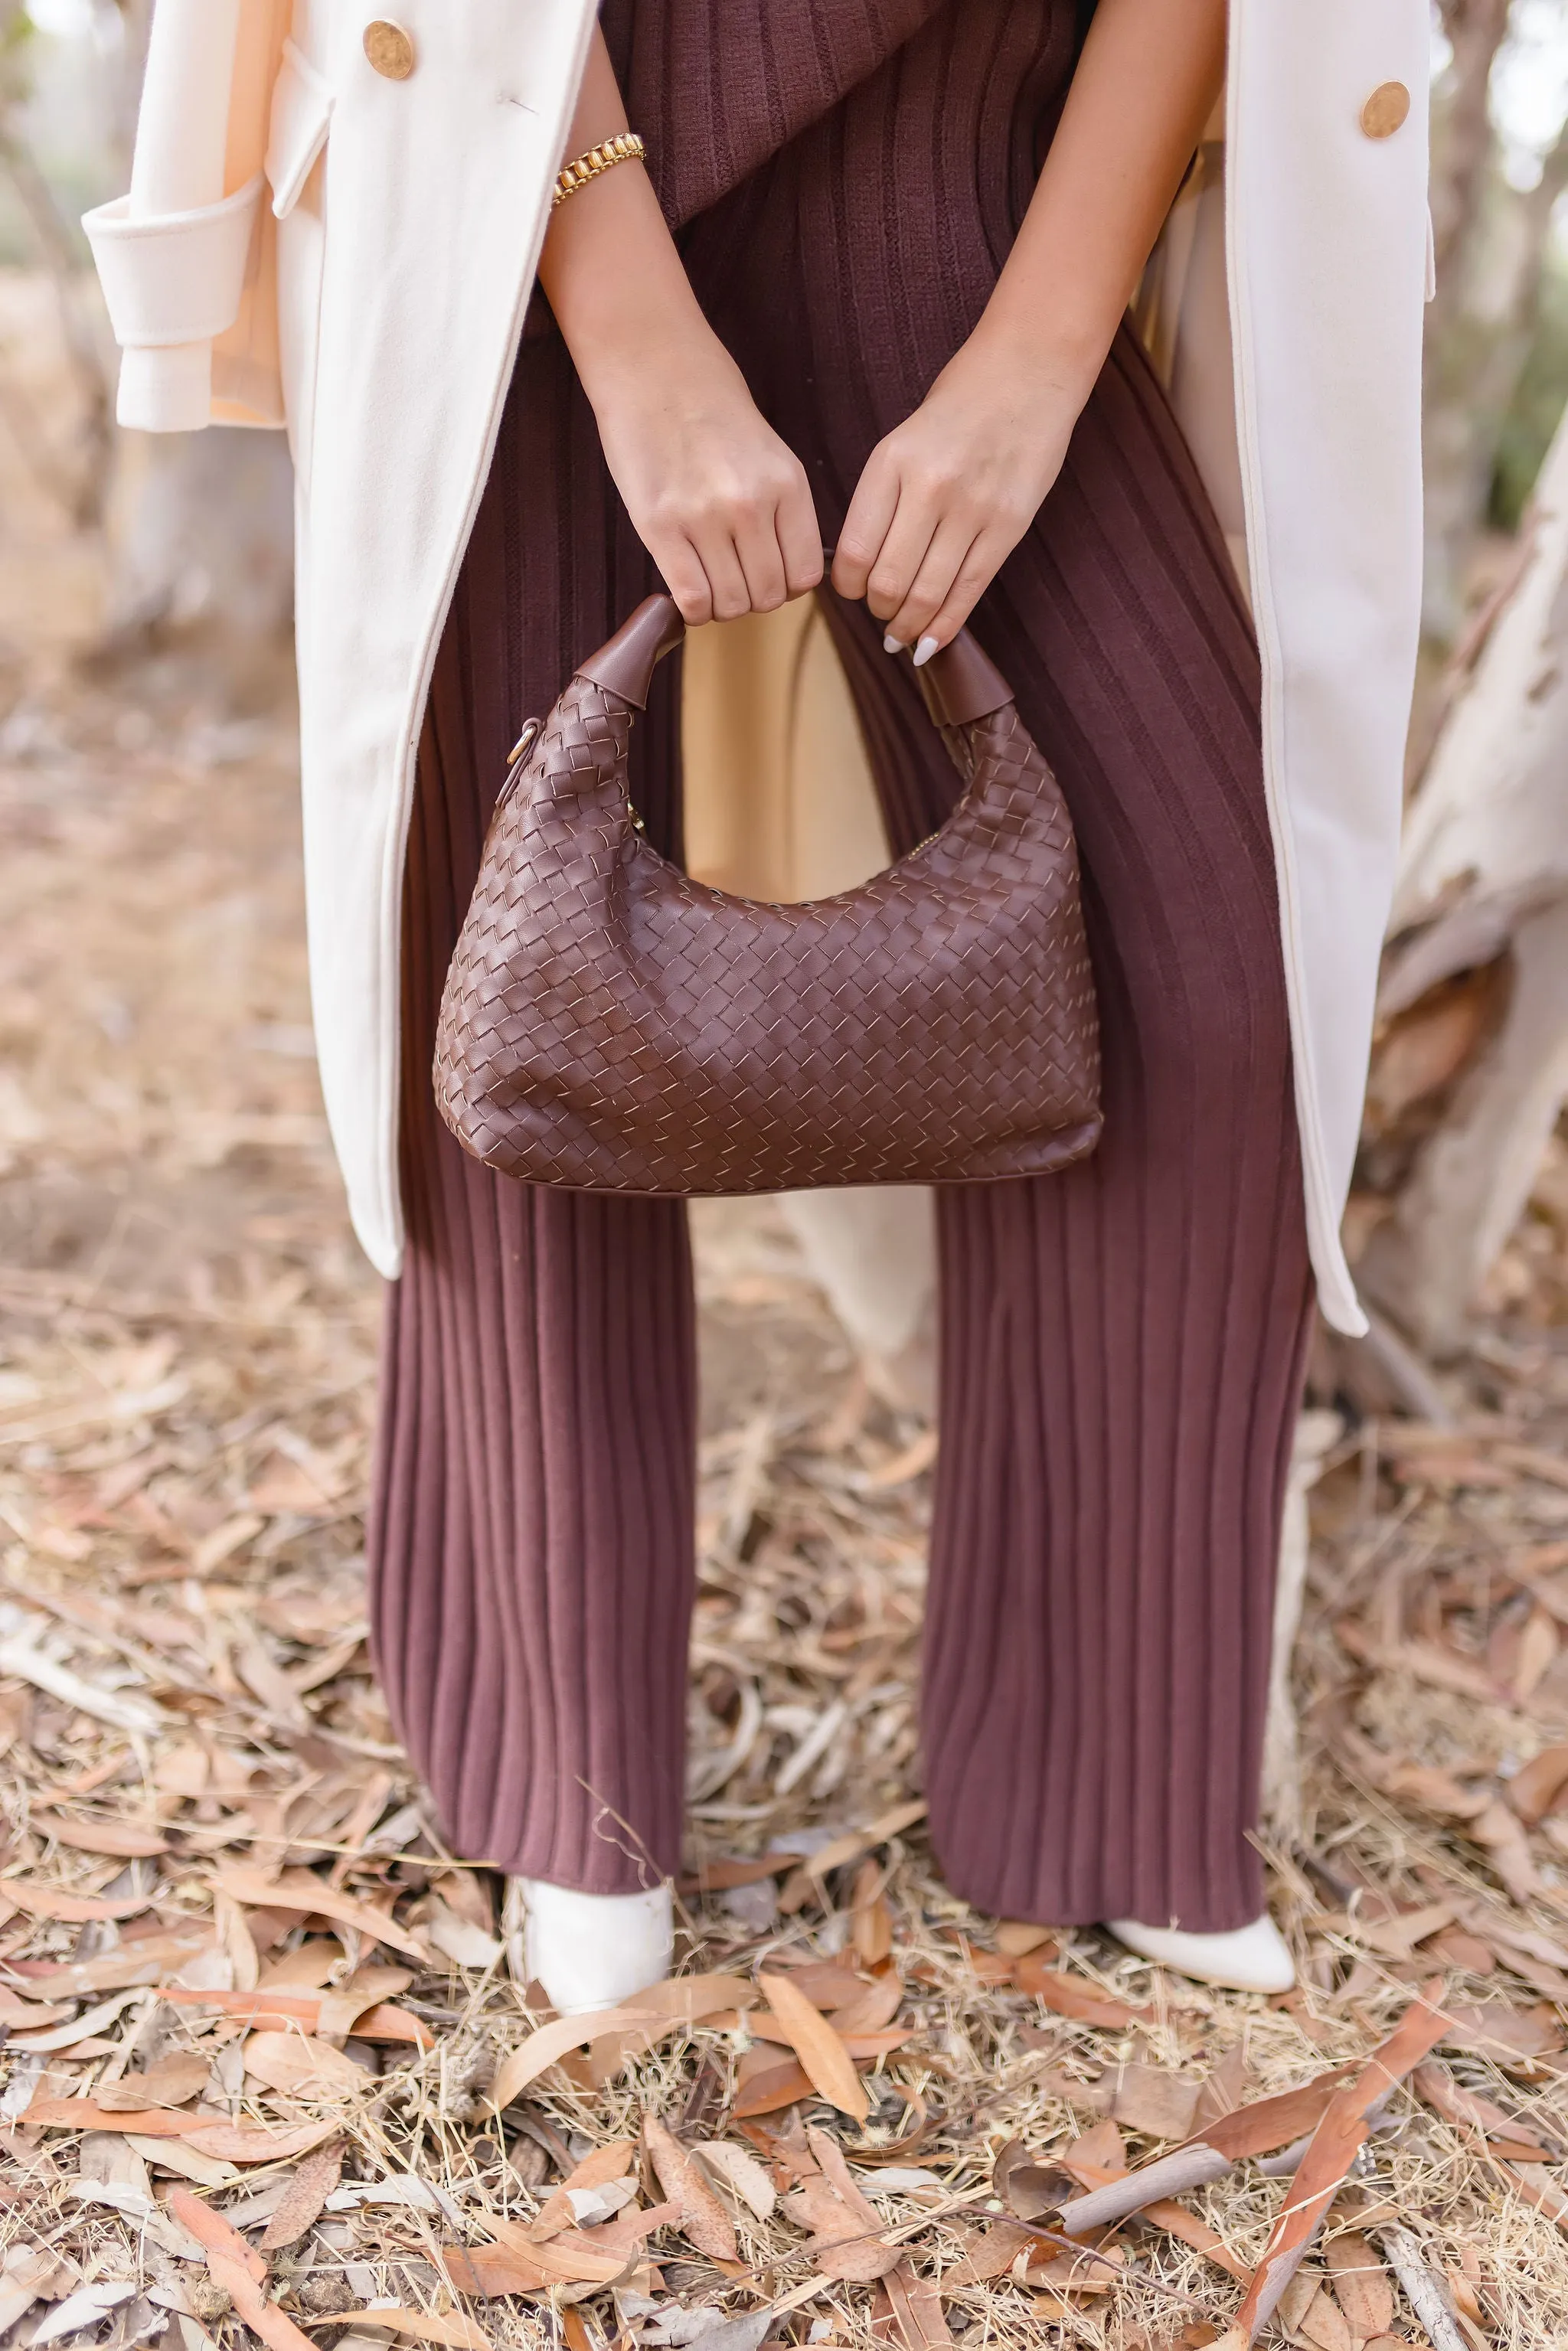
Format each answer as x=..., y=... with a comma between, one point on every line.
x=531, y=1539
x=1122, y=1346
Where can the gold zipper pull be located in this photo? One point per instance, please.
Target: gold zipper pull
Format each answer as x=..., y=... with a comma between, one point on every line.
x=518, y=758
x=525, y=742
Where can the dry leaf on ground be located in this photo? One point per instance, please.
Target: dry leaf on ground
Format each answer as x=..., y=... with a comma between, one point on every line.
x=238, y=2271
x=570, y=2257
x=702, y=2218
x=597, y=2169
x=57, y=1902
x=1361, y=2285
x=1177, y=2221
x=743, y=2173
x=146, y=1962
x=1159, y=2104
x=1437, y=2085
x=173, y=2081
x=846, y=2229
x=992, y=2250
x=1256, y=2128
x=1537, y=1786
x=425, y=2326
x=121, y=1838
x=916, y=2306
x=823, y=2057
x=301, y=2067
x=662, y=2009
x=304, y=2199
x=873, y=2007
x=1546, y=2194
x=1070, y=1996
x=299, y=1890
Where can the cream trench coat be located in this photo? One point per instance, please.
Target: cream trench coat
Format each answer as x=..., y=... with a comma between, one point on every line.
x=333, y=224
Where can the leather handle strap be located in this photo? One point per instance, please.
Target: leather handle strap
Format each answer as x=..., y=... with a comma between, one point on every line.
x=960, y=684
x=626, y=664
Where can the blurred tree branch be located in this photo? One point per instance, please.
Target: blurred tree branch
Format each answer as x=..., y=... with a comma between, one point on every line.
x=1475, y=30
x=1491, y=240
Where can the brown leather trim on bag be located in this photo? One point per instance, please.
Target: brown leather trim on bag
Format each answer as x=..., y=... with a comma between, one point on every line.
x=626, y=664
x=959, y=683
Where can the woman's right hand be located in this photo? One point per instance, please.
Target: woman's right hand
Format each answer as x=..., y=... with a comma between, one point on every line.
x=721, y=504
x=719, y=501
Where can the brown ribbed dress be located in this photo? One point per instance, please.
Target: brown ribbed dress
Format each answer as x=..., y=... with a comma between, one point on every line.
x=1122, y=1345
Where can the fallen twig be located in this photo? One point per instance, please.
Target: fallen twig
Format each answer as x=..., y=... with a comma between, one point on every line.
x=1424, y=2294
x=1257, y=2129
x=1335, y=2143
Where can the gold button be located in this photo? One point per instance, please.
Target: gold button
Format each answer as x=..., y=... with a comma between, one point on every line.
x=388, y=49
x=1385, y=110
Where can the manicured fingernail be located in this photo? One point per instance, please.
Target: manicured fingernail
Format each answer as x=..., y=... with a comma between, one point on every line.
x=891, y=645
x=924, y=651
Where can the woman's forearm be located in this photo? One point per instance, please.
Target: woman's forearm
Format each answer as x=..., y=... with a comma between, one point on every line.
x=1144, y=86
x=948, y=494
x=721, y=504
x=610, y=265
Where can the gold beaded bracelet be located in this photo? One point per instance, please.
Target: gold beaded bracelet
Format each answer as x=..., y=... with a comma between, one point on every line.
x=624, y=147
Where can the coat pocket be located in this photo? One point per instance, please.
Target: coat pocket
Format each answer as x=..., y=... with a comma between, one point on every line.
x=301, y=118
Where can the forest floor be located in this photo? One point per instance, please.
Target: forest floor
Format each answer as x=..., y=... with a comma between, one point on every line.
x=269, y=2069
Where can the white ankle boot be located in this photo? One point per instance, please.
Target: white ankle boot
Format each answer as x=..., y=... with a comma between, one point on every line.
x=591, y=1951
x=1249, y=1958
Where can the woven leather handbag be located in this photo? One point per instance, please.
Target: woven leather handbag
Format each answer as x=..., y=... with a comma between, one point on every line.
x=611, y=1025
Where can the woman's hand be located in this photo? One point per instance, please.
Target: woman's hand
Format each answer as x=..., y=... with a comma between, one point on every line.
x=947, y=496
x=721, y=504
x=719, y=501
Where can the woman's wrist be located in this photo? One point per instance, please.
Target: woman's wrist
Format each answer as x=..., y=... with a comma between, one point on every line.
x=639, y=348
x=1050, y=359
x=621, y=296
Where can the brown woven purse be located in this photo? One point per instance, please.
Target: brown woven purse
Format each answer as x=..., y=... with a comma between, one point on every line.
x=611, y=1025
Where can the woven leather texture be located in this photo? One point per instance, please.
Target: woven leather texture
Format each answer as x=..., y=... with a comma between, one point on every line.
x=610, y=1025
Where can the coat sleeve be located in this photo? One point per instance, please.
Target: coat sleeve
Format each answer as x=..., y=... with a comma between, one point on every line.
x=178, y=254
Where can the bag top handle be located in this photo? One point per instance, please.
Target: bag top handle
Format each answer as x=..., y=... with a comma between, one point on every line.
x=626, y=664
x=960, y=683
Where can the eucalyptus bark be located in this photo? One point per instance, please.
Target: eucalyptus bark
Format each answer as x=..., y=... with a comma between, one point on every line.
x=1484, y=881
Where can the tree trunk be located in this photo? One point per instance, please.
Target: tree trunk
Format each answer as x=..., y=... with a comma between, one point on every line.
x=1479, y=334
x=1489, y=242
x=1475, y=29
x=1482, y=899
x=201, y=524
x=202, y=531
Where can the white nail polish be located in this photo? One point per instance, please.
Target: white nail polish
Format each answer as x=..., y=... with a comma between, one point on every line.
x=924, y=651
x=891, y=645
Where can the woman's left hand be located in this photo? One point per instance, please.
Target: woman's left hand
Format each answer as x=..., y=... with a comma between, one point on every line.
x=949, y=493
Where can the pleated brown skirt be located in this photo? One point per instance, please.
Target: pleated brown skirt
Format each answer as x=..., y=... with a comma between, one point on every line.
x=1122, y=1346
